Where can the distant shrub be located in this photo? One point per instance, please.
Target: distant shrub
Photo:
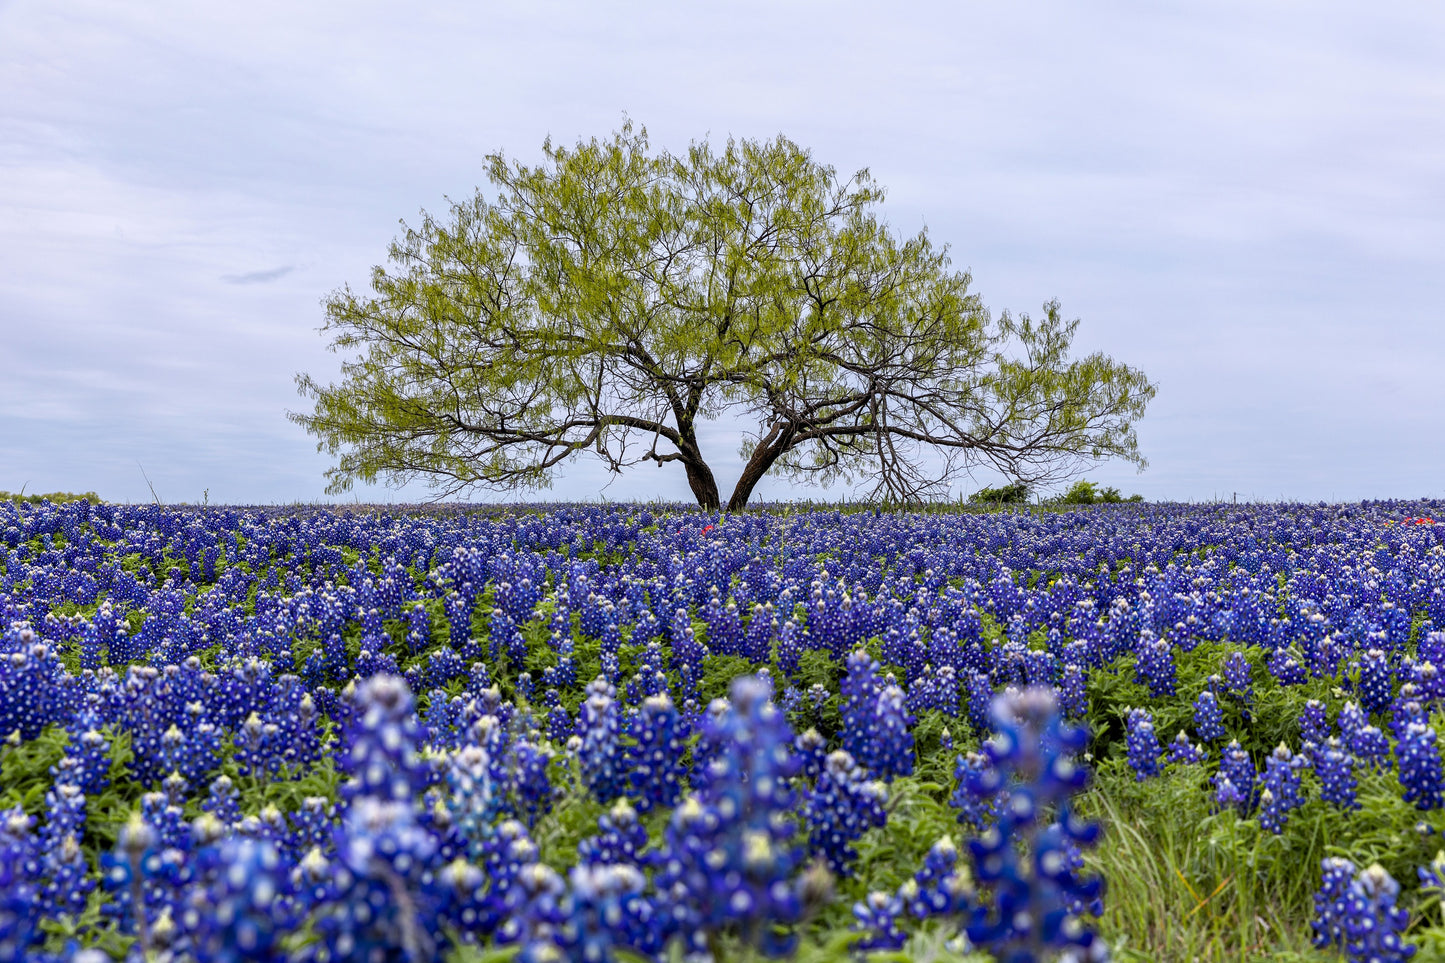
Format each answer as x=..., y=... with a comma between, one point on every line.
x=1014, y=494
x=1088, y=493
x=55, y=498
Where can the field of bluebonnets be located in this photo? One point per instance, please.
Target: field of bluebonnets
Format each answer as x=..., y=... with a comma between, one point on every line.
x=620, y=732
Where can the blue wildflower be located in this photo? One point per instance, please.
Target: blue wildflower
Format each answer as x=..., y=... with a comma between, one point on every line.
x=1143, y=744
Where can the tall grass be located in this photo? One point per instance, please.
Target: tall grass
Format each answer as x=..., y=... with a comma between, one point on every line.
x=1185, y=883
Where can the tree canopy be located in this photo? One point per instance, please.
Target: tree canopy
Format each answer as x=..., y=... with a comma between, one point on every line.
x=612, y=298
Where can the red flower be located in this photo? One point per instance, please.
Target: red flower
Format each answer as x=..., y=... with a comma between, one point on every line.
x=707, y=529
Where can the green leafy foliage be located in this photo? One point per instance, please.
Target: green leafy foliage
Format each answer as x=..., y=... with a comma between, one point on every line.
x=1088, y=493
x=55, y=498
x=611, y=297
x=1015, y=494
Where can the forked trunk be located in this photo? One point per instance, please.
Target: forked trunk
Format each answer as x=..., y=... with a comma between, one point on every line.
x=704, y=486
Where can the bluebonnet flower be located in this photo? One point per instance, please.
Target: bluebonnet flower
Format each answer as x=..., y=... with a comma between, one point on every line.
x=724, y=627
x=241, y=908
x=842, y=806
x=1337, y=876
x=479, y=679
x=1351, y=720
x=890, y=750
x=1432, y=876
x=505, y=637
x=858, y=700
x=1035, y=901
x=1417, y=760
x=941, y=887
x=1335, y=768
x=1236, y=677
x=980, y=700
x=789, y=648
x=224, y=801
x=33, y=694
x=64, y=814
x=1286, y=668
x=875, y=721
x=513, y=879
x=600, y=754
x=372, y=662
x=19, y=918
x=458, y=612
x=530, y=792
x=1143, y=744
x=1228, y=796
x=655, y=761
x=66, y=883
x=443, y=720
x=1237, y=769
x=1376, y=682
x=260, y=747
x=381, y=742
x=1405, y=709
x=476, y=797
x=650, y=677
x=1361, y=914
x=312, y=825
x=1370, y=746
x=979, y=791
x=442, y=666
x=935, y=689
x=621, y=840
x=1154, y=663
x=1314, y=724
x=90, y=751
x=418, y=629
x=103, y=640
x=379, y=907
x=687, y=653
x=145, y=882
x=604, y=909
x=1182, y=752
x=560, y=724
x=1073, y=697
x=762, y=629
x=1280, y=792
x=1208, y=717
x=728, y=855
x=163, y=813
x=877, y=917
x=811, y=750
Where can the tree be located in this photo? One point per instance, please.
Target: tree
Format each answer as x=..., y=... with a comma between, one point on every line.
x=612, y=298
x=1088, y=493
x=1015, y=494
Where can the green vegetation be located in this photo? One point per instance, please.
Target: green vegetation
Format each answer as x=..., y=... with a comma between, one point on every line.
x=612, y=297
x=1088, y=493
x=55, y=498
x=1015, y=494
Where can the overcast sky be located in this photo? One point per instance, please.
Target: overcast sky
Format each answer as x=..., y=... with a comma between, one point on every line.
x=1246, y=200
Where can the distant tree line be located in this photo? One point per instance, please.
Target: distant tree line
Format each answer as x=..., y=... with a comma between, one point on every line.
x=52, y=497
x=1080, y=493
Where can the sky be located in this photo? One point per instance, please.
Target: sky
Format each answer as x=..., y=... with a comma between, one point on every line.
x=1245, y=200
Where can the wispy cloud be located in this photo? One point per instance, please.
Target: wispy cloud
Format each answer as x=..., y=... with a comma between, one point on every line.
x=259, y=277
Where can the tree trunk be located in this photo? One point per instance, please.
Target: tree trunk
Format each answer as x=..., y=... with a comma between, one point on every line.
x=704, y=486
x=699, y=475
x=767, y=452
